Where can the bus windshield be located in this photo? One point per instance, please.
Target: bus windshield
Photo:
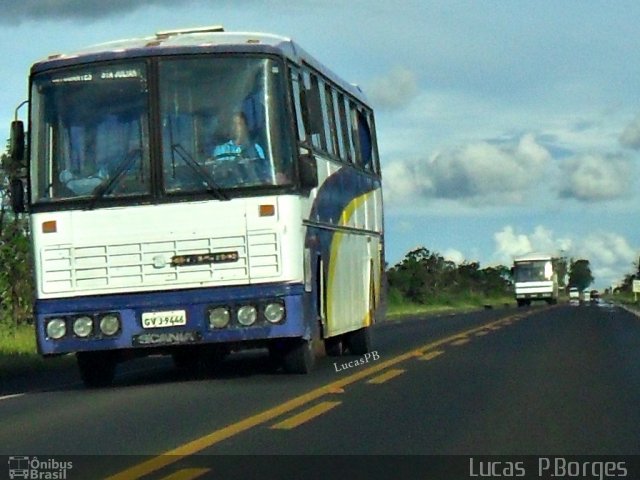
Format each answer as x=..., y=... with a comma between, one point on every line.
x=533, y=271
x=224, y=116
x=89, y=125
x=222, y=124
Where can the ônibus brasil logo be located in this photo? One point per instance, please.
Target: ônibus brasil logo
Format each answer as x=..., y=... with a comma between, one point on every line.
x=33, y=468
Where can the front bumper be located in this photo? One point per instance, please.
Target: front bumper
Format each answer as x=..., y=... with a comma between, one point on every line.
x=195, y=302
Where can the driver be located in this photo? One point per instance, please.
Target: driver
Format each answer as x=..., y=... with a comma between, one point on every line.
x=241, y=147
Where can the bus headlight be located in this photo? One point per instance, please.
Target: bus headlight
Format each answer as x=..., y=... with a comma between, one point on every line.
x=83, y=326
x=247, y=315
x=56, y=328
x=274, y=312
x=219, y=317
x=110, y=324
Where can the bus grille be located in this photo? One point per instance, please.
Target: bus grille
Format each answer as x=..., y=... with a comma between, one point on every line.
x=140, y=265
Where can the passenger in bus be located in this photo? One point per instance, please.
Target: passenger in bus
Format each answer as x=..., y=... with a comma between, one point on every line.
x=83, y=183
x=240, y=153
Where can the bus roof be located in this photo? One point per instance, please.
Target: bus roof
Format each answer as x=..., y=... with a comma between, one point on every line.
x=529, y=257
x=195, y=40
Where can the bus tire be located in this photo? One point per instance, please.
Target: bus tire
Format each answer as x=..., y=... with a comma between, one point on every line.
x=359, y=341
x=97, y=369
x=333, y=346
x=299, y=357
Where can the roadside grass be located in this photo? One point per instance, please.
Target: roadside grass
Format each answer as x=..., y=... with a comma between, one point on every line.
x=627, y=299
x=468, y=303
x=18, y=352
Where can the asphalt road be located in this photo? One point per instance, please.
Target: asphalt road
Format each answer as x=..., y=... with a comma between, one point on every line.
x=562, y=380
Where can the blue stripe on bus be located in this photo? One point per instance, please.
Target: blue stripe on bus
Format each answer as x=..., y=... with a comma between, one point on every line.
x=337, y=191
x=196, y=303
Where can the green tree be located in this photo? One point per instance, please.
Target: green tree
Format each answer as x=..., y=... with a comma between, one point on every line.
x=426, y=277
x=16, y=287
x=580, y=274
x=560, y=266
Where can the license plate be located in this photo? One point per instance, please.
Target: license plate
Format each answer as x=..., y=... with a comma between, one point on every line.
x=171, y=318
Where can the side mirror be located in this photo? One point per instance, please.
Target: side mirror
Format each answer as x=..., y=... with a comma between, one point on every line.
x=308, y=171
x=16, y=143
x=17, y=195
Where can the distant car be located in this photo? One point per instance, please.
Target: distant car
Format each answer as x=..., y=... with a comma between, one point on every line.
x=595, y=296
x=574, y=293
x=586, y=296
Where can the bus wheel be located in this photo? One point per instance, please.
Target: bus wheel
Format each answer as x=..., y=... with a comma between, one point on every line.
x=333, y=346
x=299, y=357
x=359, y=341
x=97, y=369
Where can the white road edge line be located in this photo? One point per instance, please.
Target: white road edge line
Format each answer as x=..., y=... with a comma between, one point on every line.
x=15, y=395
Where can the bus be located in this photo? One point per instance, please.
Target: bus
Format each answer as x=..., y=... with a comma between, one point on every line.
x=535, y=279
x=195, y=193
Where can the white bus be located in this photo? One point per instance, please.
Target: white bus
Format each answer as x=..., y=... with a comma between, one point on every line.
x=197, y=192
x=535, y=279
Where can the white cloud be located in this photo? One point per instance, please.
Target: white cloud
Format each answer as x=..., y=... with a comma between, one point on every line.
x=631, y=134
x=395, y=90
x=608, y=249
x=509, y=244
x=610, y=256
x=478, y=173
x=596, y=177
x=454, y=256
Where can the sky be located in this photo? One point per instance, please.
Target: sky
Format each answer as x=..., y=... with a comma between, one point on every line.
x=503, y=126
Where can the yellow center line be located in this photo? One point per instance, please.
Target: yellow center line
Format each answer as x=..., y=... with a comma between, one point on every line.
x=481, y=333
x=187, y=474
x=459, y=342
x=305, y=416
x=431, y=355
x=388, y=375
x=172, y=456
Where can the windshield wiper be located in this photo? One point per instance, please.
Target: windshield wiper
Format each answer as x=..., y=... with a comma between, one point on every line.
x=125, y=164
x=204, y=175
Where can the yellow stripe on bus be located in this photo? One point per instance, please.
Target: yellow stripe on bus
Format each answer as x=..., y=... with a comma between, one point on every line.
x=336, y=241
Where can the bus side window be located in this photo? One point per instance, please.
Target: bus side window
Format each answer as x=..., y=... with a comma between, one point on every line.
x=298, y=102
x=329, y=120
x=374, y=143
x=364, y=140
x=314, y=107
x=342, y=151
x=345, y=120
x=353, y=117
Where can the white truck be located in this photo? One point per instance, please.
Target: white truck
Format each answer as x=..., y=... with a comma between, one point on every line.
x=535, y=279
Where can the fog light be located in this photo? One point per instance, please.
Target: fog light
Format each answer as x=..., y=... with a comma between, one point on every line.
x=110, y=324
x=56, y=328
x=219, y=317
x=274, y=312
x=247, y=315
x=83, y=326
